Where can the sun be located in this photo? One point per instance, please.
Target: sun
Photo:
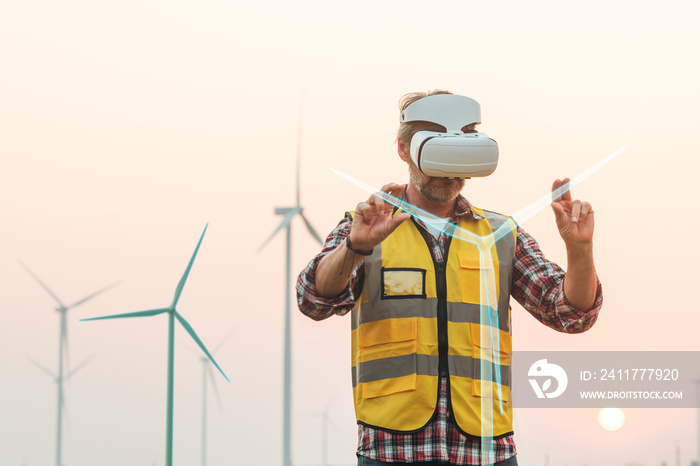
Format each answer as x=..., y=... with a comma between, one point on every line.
x=611, y=418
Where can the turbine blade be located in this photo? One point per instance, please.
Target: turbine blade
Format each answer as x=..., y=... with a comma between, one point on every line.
x=41, y=283
x=311, y=229
x=330, y=402
x=285, y=221
x=98, y=292
x=194, y=336
x=216, y=388
x=188, y=347
x=299, y=132
x=44, y=369
x=335, y=427
x=181, y=285
x=152, y=312
x=80, y=366
x=221, y=343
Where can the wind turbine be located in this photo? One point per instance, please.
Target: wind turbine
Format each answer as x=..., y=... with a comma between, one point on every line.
x=207, y=373
x=65, y=378
x=172, y=316
x=62, y=345
x=288, y=214
x=324, y=435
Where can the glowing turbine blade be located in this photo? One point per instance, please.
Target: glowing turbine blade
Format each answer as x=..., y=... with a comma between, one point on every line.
x=529, y=211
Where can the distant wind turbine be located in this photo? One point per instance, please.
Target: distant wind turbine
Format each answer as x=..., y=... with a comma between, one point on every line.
x=288, y=214
x=172, y=316
x=207, y=373
x=62, y=356
x=324, y=438
x=65, y=378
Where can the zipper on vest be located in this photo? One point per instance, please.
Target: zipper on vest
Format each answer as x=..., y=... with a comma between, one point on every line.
x=441, y=284
x=441, y=291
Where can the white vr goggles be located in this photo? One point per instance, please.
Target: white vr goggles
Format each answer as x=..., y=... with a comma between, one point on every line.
x=452, y=154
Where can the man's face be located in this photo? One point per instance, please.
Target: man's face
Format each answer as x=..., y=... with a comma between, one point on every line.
x=438, y=190
x=434, y=189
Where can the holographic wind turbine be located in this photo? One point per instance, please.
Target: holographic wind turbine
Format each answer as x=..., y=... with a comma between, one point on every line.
x=488, y=313
x=172, y=316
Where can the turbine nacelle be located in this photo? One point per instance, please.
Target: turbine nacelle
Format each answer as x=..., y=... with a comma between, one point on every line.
x=288, y=210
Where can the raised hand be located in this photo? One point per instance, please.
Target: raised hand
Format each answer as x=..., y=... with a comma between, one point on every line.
x=574, y=217
x=373, y=222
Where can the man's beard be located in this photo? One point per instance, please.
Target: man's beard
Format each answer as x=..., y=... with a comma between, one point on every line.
x=433, y=189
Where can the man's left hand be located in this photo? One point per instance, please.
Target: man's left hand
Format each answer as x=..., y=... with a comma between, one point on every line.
x=574, y=217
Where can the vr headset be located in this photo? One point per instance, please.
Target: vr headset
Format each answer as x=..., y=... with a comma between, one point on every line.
x=453, y=153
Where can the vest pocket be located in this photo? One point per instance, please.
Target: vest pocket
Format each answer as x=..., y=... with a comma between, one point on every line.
x=398, y=283
x=505, y=340
x=470, y=276
x=496, y=391
x=388, y=356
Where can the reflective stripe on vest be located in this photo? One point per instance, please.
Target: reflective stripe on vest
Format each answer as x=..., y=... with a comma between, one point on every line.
x=395, y=330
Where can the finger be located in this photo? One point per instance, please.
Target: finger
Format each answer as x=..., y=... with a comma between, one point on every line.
x=393, y=188
x=362, y=211
x=398, y=220
x=559, y=214
x=560, y=190
x=388, y=187
x=556, y=191
x=586, y=210
x=377, y=202
x=576, y=211
x=566, y=189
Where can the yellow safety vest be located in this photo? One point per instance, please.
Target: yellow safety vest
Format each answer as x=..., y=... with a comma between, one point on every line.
x=418, y=319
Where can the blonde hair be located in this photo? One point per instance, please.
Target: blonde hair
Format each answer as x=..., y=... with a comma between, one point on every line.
x=408, y=129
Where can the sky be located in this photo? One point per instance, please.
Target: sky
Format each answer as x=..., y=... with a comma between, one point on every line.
x=126, y=126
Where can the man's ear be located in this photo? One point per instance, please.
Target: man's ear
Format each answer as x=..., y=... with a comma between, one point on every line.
x=404, y=151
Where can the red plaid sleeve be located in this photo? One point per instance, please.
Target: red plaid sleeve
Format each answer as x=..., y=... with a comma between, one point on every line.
x=538, y=285
x=319, y=308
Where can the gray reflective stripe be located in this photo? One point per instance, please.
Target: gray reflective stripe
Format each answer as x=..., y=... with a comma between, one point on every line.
x=395, y=309
x=465, y=312
x=373, y=274
x=466, y=366
x=421, y=364
x=505, y=248
x=398, y=366
x=387, y=308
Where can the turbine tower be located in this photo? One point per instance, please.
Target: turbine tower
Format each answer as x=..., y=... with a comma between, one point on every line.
x=62, y=353
x=324, y=436
x=288, y=214
x=207, y=373
x=172, y=316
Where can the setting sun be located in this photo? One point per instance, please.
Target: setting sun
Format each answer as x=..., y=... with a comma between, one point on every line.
x=611, y=418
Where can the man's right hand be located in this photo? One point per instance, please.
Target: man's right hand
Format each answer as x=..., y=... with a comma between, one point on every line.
x=373, y=222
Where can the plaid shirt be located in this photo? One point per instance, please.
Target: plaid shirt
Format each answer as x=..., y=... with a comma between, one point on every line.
x=538, y=285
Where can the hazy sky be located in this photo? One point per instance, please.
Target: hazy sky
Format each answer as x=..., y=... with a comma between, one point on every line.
x=126, y=126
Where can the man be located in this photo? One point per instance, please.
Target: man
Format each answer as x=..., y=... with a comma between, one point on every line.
x=415, y=294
